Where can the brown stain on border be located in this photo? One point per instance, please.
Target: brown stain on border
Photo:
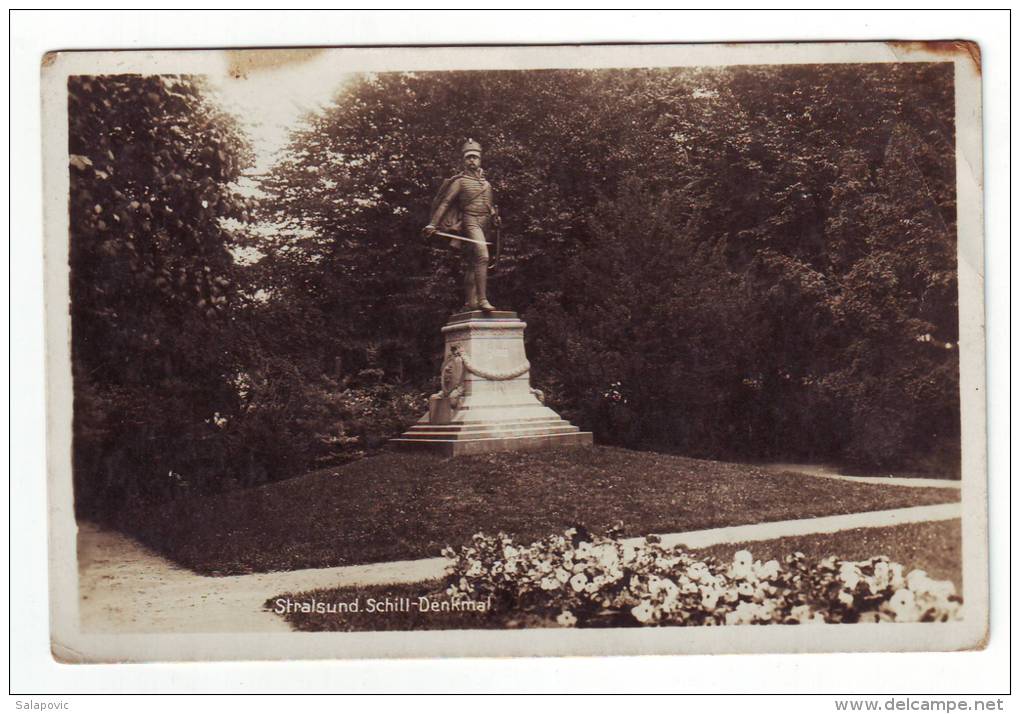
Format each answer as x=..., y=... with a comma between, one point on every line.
x=241, y=63
x=949, y=48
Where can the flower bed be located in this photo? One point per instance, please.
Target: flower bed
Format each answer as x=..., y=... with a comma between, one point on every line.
x=584, y=580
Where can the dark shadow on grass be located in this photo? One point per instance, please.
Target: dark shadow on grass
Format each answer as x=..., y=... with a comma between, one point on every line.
x=402, y=506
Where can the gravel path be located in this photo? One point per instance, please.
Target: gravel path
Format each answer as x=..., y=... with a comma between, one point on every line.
x=833, y=472
x=124, y=587
x=806, y=526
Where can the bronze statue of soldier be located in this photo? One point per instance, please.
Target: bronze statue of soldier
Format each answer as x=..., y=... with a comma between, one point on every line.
x=465, y=206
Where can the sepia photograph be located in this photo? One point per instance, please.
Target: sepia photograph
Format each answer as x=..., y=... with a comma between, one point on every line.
x=392, y=352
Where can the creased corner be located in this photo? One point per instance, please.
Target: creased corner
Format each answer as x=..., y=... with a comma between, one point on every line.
x=48, y=60
x=64, y=654
x=949, y=49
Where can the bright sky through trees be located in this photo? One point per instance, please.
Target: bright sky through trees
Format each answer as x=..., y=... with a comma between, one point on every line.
x=270, y=101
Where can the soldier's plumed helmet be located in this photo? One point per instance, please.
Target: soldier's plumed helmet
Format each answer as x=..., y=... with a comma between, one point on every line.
x=472, y=147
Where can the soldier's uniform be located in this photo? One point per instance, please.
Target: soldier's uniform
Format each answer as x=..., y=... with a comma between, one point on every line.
x=472, y=196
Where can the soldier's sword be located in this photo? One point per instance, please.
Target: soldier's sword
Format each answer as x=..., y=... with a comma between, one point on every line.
x=454, y=236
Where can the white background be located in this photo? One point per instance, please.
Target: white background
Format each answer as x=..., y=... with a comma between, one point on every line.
x=33, y=671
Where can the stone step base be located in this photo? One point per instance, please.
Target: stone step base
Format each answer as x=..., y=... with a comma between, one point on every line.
x=471, y=420
x=482, y=445
x=495, y=409
x=482, y=431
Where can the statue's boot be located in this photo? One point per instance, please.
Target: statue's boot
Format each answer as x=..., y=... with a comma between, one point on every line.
x=471, y=296
x=481, y=281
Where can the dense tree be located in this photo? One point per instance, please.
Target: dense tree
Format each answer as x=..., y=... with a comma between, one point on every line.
x=748, y=260
x=152, y=162
x=355, y=187
x=729, y=262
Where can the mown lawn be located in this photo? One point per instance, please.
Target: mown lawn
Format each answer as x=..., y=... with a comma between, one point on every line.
x=401, y=506
x=932, y=547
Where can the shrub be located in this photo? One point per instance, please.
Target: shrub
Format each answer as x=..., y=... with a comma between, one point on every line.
x=581, y=580
x=298, y=422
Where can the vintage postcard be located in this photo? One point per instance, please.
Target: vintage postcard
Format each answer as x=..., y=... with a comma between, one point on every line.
x=459, y=351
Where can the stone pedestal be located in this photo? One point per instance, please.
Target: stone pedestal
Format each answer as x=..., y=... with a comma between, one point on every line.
x=486, y=402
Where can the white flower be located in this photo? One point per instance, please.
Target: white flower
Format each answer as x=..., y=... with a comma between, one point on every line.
x=768, y=571
x=566, y=619
x=475, y=570
x=934, y=599
x=709, y=599
x=686, y=585
x=737, y=572
x=895, y=576
x=850, y=574
x=801, y=613
x=606, y=556
x=805, y=616
x=882, y=575
x=918, y=580
x=613, y=574
x=744, y=591
x=578, y=582
x=698, y=571
x=903, y=606
x=715, y=581
x=666, y=563
x=742, y=566
x=668, y=587
x=643, y=612
x=745, y=613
